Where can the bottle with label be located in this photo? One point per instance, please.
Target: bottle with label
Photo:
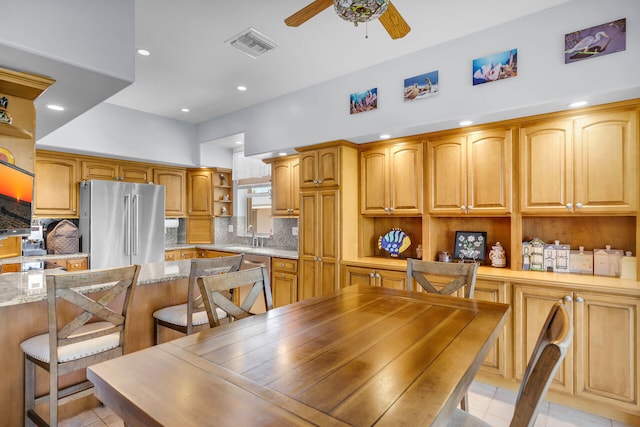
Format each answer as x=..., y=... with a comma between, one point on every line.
x=628, y=267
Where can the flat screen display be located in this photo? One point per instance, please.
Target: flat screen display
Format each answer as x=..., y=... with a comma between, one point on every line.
x=16, y=197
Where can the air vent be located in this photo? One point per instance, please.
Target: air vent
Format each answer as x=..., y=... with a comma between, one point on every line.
x=252, y=42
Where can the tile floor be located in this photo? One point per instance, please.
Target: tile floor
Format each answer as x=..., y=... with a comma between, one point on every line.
x=494, y=405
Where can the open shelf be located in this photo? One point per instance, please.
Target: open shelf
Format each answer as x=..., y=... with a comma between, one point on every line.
x=14, y=131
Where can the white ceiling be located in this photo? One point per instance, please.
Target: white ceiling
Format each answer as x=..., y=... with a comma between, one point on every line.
x=191, y=65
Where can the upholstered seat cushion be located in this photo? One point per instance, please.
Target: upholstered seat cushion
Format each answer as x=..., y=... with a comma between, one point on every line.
x=38, y=346
x=177, y=315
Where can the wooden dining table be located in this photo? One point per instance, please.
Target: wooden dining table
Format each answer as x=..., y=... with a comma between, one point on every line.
x=361, y=356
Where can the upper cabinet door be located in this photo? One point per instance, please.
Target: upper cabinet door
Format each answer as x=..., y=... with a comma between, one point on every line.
x=199, y=192
x=56, y=186
x=374, y=182
x=320, y=168
x=175, y=190
x=546, y=168
x=406, y=179
x=447, y=175
x=606, y=163
x=489, y=172
x=281, y=188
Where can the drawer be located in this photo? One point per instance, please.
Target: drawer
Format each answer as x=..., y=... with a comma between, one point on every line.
x=76, y=264
x=284, y=264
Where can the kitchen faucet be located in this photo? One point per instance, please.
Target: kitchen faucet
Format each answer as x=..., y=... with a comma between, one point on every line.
x=254, y=239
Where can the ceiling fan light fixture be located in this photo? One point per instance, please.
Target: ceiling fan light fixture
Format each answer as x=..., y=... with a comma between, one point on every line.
x=360, y=10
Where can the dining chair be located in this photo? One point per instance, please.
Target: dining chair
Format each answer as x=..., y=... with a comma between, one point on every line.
x=96, y=333
x=452, y=275
x=549, y=351
x=215, y=289
x=455, y=275
x=190, y=315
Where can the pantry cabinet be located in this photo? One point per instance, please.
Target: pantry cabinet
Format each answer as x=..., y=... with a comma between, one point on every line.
x=319, y=244
x=285, y=186
x=582, y=165
x=470, y=174
x=175, y=195
x=391, y=179
x=56, y=186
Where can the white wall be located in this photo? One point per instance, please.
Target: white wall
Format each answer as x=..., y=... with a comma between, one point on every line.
x=544, y=83
x=110, y=130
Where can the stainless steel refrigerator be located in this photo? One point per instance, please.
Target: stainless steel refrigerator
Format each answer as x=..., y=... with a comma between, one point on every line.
x=121, y=223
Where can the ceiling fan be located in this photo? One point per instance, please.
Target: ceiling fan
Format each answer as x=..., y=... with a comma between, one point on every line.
x=356, y=11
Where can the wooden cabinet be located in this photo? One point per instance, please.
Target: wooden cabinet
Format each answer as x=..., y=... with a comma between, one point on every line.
x=603, y=362
x=74, y=264
x=319, y=245
x=175, y=190
x=199, y=229
x=56, y=186
x=320, y=168
x=391, y=180
x=210, y=253
x=10, y=268
x=284, y=281
x=11, y=247
x=222, y=192
x=106, y=169
x=199, y=192
x=495, y=364
x=170, y=255
x=179, y=254
x=285, y=186
x=585, y=165
x=470, y=174
x=374, y=277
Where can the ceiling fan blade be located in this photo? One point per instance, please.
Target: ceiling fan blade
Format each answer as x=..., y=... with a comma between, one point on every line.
x=307, y=12
x=394, y=23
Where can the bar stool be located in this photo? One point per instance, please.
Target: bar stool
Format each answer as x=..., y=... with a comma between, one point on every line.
x=76, y=344
x=185, y=317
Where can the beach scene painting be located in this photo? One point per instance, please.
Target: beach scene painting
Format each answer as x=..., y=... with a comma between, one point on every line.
x=422, y=86
x=595, y=41
x=363, y=101
x=500, y=66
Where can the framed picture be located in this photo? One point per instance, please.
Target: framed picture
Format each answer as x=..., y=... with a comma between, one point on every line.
x=421, y=86
x=363, y=101
x=595, y=41
x=470, y=246
x=503, y=65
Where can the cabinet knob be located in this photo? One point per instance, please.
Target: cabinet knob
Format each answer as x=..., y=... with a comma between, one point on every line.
x=579, y=299
x=578, y=205
x=569, y=206
x=282, y=264
x=319, y=259
x=390, y=210
x=470, y=207
x=371, y=274
x=568, y=299
x=377, y=275
x=463, y=208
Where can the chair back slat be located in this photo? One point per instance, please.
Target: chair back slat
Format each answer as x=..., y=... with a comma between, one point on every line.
x=457, y=275
x=206, y=267
x=215, y=291
x=550, y=349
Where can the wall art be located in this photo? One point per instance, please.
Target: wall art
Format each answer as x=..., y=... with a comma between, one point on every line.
x=422, y=86
x=363, y=101
x=499, y=66
x=470, y=246
x=595, y=41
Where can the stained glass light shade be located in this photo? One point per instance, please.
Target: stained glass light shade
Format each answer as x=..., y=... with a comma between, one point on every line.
x=360, y=10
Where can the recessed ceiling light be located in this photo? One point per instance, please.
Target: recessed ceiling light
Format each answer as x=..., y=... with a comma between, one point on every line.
x=144, y=52
x=185, y=110
x=465, y=123
x=578, y=104
x=55, y=107
x=239, y=142
x=241, y=88
x=385, y=136
x=282, y=154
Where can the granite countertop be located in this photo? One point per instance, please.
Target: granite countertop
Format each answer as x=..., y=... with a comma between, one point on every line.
x=265, y=251
x=29, y=286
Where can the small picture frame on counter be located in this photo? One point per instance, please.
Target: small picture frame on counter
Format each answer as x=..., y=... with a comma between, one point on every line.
x=470, y=246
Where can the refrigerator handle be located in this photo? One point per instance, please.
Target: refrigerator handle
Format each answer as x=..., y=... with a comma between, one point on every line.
x=127, y=224
x=134, y=230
